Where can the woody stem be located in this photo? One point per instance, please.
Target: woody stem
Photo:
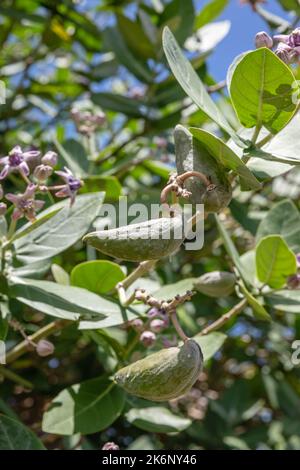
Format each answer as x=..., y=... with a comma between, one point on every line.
x=177, y=326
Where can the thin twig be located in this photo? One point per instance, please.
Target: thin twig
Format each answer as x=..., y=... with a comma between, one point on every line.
x=225, y=318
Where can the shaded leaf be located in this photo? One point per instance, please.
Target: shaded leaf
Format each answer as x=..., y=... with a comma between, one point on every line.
x=15, y=436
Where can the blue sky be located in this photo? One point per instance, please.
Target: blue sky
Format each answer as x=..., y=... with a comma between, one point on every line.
x=244, y=25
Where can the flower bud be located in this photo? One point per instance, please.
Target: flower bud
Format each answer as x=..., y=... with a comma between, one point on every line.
x=1, y=192
x=153, y=312
x=262, y=39
x=110, y=446
x=147, y=338
x=3, y=208
x=137, y=324
x=283, y=51
x=50, y=158
x=44, y=348
x=294, y=38
x=293, y=282
x=42, y=172
x=157, y=325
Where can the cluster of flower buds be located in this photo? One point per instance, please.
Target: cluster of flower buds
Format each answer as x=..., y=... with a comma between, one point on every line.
x=156, y=323
x=286, y=46
x=35, y=170
x=87, y=121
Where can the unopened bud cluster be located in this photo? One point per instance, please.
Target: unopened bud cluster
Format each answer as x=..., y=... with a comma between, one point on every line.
x=286, y=46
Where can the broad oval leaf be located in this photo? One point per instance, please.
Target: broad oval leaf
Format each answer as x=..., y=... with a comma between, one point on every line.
x=85, y=408
x=283, y=219
x=98, y=276
x=261, y=90
x=157, y=419
x=15, y=436
x=226, y=157
x=274, y=261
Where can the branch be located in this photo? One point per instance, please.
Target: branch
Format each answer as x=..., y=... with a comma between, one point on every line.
x=238, y=308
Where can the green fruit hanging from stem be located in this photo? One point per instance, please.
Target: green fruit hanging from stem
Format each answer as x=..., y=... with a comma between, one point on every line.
x=164, y=375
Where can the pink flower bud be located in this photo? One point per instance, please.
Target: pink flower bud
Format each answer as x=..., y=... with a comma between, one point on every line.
x=157, y=325
x=44, y=348
x=137, y=324
x=42, y=172
x=110, y=446
x=262, y=39
x=147, y=338
x=50, y=158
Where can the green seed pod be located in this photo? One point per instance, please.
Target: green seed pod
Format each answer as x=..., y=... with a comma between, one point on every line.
x=192, y=156
x=164, y=375
x=216, y=283
x=149, y=240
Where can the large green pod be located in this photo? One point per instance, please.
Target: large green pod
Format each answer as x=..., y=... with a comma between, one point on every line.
x=192, y=156
x=149, y=240
x=164, y=375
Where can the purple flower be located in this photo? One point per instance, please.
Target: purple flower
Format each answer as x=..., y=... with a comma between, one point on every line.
x=17, y=160
x=262, y=39
x=25, y=204
x=50, y=158
x=284, y=52
x=3, y=208
x=71, y=187
x=294, y=38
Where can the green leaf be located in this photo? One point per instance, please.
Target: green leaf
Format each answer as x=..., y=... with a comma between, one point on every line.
x=108, y=184
x=205, y=39
x=178, y=288
x=61, y=231
x=231, y=249
x=210, y=11
x=226, y=157
x=121, y=104
x=115, y=42
x=157, y=419
x=70, y=303
x=85, y=408
x=15, y=436
x=97, y=276
x=259, y=310
x=285, y=300
x=261, y=90
x=73, y=155
x=60, y=275
x=135, y=38
x=283, y=219
x=179, y=15
x=210, y=343
x=191, y=83
x=274, y=261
